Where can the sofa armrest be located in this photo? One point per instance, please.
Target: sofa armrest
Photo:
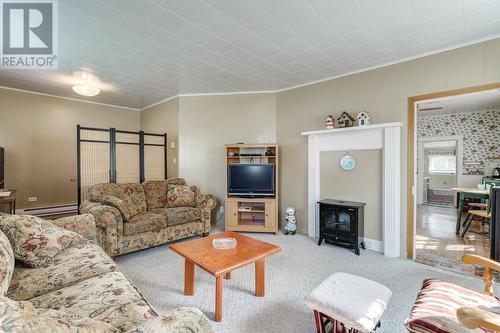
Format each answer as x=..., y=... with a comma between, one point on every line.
x=178, y=321
x=81, y=224
x=109, y=223
x=206, y=202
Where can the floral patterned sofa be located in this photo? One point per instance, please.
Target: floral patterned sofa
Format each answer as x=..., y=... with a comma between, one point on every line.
x=132, y=217
x=76, y=288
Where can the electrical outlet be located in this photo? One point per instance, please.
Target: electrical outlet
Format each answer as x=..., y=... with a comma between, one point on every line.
x=32, y=199
x=221, y=209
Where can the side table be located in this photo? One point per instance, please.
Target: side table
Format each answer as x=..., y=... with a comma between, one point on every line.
x=8, y=204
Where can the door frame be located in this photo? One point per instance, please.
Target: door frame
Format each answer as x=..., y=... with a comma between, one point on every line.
x=411, y=154
x=459, y=139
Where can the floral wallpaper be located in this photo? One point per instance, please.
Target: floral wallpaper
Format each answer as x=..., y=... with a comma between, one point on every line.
x=480, y=130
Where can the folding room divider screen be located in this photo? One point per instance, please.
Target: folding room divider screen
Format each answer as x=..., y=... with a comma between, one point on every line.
x=108, y=155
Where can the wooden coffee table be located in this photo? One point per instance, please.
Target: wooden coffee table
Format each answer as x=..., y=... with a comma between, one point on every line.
x=220, y=263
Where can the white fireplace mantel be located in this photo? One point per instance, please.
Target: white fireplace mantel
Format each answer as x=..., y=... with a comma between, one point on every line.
x=378, y=136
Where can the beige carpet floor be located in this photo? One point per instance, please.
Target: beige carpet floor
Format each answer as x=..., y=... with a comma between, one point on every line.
x=290, y=275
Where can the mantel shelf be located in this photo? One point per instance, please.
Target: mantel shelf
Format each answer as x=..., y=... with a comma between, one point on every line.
x=352, y=129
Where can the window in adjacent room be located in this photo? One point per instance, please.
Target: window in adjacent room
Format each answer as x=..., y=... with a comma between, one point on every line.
x=439, y=163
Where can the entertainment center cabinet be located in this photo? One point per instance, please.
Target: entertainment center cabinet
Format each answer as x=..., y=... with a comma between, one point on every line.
x=252, y=212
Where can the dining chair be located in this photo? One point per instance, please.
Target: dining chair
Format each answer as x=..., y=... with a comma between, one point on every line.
x=483, y=215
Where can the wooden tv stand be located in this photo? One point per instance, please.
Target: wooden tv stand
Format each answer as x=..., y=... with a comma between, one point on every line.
x=254, y=214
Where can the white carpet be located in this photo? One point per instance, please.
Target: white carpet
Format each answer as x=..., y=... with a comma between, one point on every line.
x=300, y=266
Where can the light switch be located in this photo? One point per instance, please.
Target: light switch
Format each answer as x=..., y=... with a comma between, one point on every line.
x=174, y=160
x=172, y=145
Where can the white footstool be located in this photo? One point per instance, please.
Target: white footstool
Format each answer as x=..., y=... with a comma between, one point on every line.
x=350, y=303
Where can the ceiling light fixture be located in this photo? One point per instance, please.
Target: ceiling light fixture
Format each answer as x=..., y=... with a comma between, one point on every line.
x=88, y=84
x=86, y=89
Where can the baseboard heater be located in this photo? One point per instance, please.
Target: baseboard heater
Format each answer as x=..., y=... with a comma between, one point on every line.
x=47, y=211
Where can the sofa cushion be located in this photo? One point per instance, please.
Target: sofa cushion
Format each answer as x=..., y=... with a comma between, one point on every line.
x=129, y=199
x=142, y=222
x=179, y=215
x=181, y=196
x=22, y=317
x=156, y=191
x=109, y=297
x=7, y=262
x=35, y=241
x=75, y=263
x=435, y=309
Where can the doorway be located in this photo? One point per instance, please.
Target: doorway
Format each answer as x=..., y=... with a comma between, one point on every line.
x=440, y=126
x=440, y=158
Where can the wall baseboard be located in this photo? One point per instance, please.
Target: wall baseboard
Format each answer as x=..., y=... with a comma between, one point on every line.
x=52, y=210
x=374, y=245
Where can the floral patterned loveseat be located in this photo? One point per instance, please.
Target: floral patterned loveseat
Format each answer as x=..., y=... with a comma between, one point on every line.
x=79, y=290
x=132, y=217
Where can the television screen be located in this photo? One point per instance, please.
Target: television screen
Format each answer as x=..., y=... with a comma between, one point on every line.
x=250, y=179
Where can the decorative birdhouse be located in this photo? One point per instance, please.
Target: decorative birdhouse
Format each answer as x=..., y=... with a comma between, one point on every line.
x=363, y=118
x=329, y=121
x=345, y=120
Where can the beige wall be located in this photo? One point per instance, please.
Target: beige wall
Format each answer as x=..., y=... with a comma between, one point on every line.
x=363, y=184
x=39, y=136
x=164, y=118
x=383, y=92
x=207, y=123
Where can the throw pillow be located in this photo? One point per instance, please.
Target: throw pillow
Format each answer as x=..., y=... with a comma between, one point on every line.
x=181, y=196
x=7, y=262
x=35, y=241
x=22, y=317
x=119, y=204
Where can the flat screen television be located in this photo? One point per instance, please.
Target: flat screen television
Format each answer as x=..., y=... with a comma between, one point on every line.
x=250, y=179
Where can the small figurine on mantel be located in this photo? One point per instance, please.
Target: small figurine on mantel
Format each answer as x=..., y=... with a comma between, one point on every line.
x=345, y=120
x=290, y=222
x=329, y=121
x=363, y=118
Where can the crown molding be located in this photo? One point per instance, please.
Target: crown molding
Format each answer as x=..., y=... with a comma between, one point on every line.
x=395, y=62
x=70, y=98
x=209, y=94
x=158, y=103
x=366, y=69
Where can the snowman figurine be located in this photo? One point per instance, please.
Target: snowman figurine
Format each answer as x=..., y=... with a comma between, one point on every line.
x=290, y=222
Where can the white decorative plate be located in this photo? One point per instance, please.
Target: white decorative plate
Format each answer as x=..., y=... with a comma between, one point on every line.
x=348, y=162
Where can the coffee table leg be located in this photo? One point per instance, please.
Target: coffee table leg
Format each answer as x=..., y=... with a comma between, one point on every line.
x=218, y=298
x=260, y=278
x=227, y=276
x=188, y=277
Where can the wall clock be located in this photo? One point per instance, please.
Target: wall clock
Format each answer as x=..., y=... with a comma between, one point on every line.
x=347, y=162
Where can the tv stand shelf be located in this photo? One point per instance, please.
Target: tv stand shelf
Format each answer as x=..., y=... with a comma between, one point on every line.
x=252, y=214
x=261, y=217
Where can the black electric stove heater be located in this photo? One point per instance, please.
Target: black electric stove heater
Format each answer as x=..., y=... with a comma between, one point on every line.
x=342, y=223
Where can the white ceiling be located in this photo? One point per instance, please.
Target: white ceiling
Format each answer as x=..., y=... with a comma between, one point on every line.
x=146, y=51
x=486, y=100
